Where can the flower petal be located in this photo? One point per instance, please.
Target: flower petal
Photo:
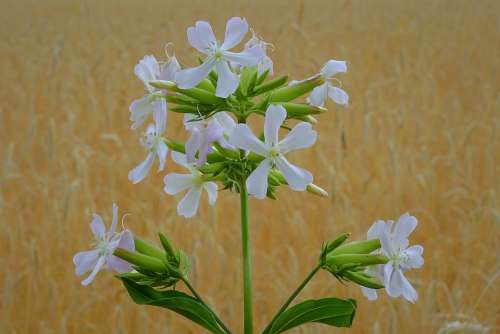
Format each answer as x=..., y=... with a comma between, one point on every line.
x=97, y=227
x=188, y=206
x=370, y=294
x=211, y=188
x=403, y=286
x=147, y=69
x=175, y=183
x=201, y=36
x=161, y=152
x=169, y=70
x=160, y=115
x=138, y=174
x=114, y=220
x=414, y=254
x=318, y=95
x=376, y=230
x=297, y=178
x=193, y=144
x=190, y=77
x=333, y=67
x=227, y=122
x=257, y=181
x=180, y=159
x=301, y=136
x=242, y=137
x=227, y=82
x=97, y=268
x=405, y=225
x=85, y=261
x=140, y=109
x=249, y=57
x=338, y=95
x=275, y=116
x=236, y=29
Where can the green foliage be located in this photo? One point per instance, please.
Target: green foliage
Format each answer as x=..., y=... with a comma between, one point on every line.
x=330, y=311
x=176, y=301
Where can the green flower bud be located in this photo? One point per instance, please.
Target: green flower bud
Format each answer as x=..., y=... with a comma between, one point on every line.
x=262, y=77
x=290, y=93
x=144, y=247
x=248, y=76
x=358, y=247
x=212, y=168
x=361, y=259
x=363, y=279
x=316, y=190
x=206, y=85
x=140, y=260
x=337, y=242
x=167, y=246
x=179, y=147
x=183, y=109
x=301, y=109
x=270, y=85
x=196, y=93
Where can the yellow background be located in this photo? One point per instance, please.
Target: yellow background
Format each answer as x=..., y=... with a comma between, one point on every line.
x=421, y=134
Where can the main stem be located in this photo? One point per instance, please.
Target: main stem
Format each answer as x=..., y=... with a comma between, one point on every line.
x=247, y=265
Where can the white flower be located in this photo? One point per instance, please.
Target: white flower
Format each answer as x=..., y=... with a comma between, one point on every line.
x=266, y=63
x=105, y=245
x=394, y=241
x=218, y=57
x=153, y=142
x=301, y=136
x=204, y=132
x=319, y=94
x=148, y=70
x=175, y=183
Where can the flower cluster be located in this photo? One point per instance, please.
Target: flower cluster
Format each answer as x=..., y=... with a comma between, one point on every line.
x=217, y=97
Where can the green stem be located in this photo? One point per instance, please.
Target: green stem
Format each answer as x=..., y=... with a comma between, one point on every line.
x=193, y=291
x=294, y=294
x=247, y=266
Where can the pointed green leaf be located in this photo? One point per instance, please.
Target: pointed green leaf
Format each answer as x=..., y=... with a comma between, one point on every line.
x=330, y=311
x=176, y=301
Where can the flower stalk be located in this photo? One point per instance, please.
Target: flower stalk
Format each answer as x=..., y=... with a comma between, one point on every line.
x=247, y=261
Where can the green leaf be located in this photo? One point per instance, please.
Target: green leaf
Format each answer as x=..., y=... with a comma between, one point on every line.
x=176, y=301
x=330, y=311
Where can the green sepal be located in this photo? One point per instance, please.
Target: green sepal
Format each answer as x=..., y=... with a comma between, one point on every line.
x=262, y=77
x=248, y=76
x=207, y=85
x=140, y=260
x=167, y=246
x=362, y=259
x=183, y=109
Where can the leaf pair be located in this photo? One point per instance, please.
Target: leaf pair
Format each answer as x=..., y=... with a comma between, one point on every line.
x=330, y=311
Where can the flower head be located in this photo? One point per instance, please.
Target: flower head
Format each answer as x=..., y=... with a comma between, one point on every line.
x=395, y=246
x=205, y=132
x=147, y=70
x=153, y=142
x=105, y=244
x=202, y=38
x=175, y=183
x=273, y=151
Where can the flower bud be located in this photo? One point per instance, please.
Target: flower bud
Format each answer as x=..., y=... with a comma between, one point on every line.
x=337, y=242
x=196, y=93
x=316, y=190
x=300, y=109
x=363, y=279
x=140, y=260
x=206, y=85
x=360, y=259
x=169, y=249
x=292, y=92
x=212, y=168
x=358, y=247
x=270, y=85
x=248, y=76
x=144, y=247
x=179, y=147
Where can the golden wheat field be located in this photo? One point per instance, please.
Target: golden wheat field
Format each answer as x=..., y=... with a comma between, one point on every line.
x=421, y=134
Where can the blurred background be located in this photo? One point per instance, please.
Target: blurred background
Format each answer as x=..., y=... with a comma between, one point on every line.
x=421, y=135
